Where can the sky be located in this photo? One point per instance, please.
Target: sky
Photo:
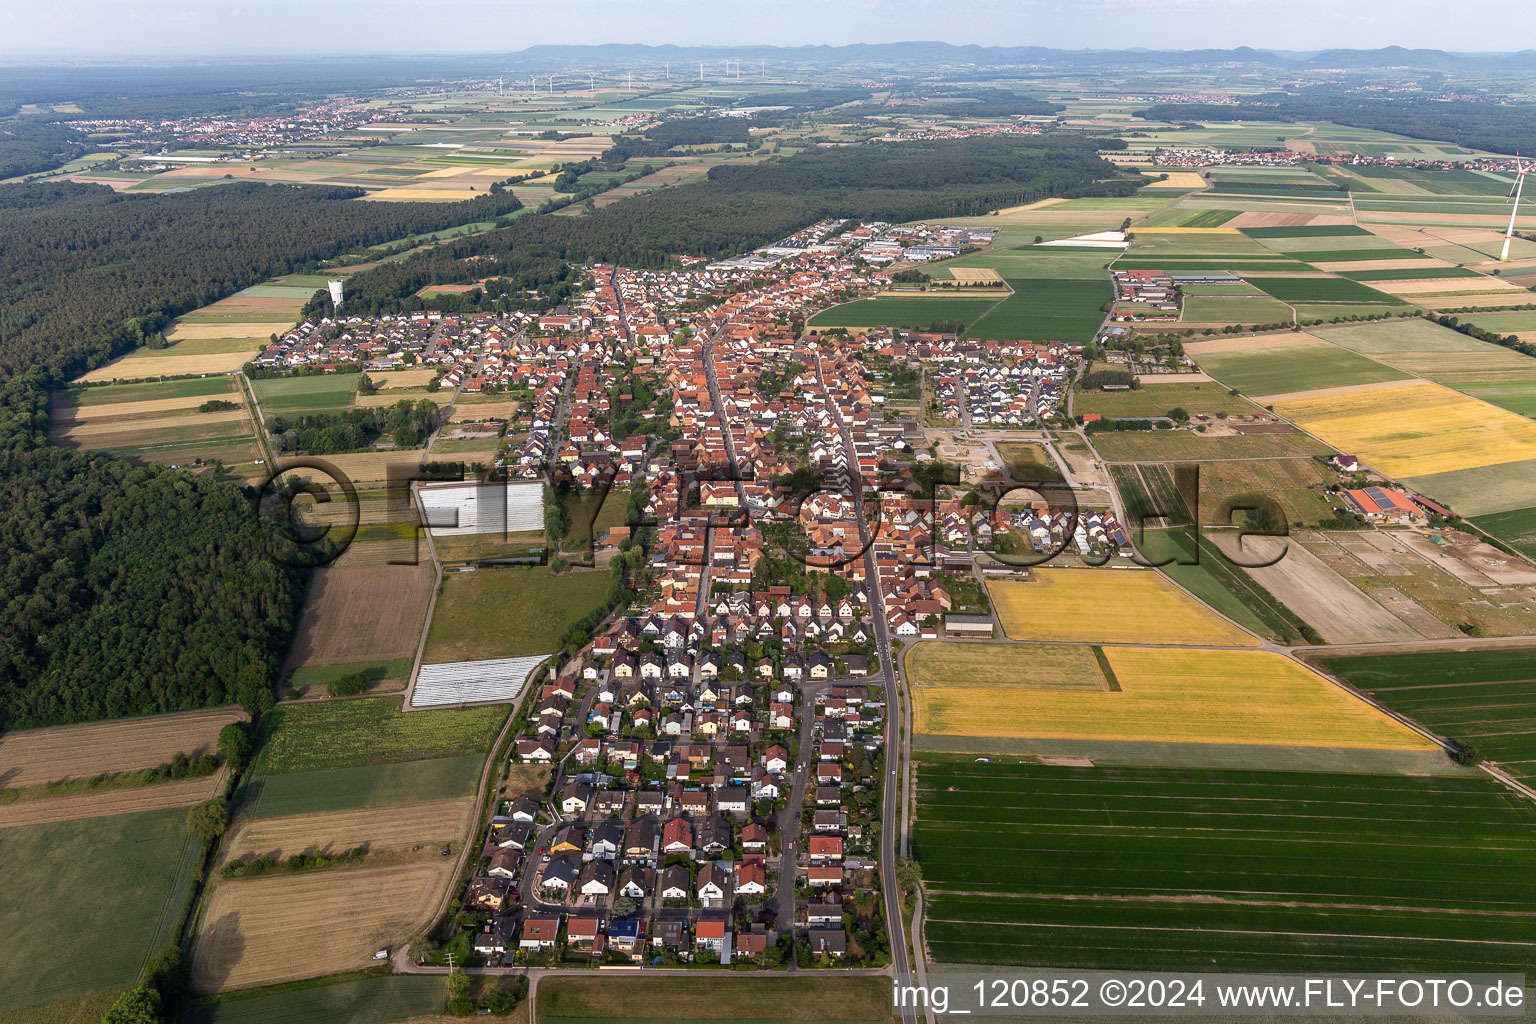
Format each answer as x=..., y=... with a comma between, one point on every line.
x=30, y=29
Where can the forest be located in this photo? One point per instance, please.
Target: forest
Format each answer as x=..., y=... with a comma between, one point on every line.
x=29, y=145
x=739, y=207
x=132, y=589
x=1496, y=127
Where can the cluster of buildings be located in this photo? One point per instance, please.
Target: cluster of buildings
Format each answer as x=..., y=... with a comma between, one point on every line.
x=971, y=132
x=881, y=244
x=253, y=135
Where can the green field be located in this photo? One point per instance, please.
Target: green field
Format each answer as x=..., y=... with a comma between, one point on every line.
x=1206, y=309
x=348, y=733
x=1485, y=696
x=1517, y=528
x=1155, y=399
x=329, y=392
x=1322, y=289
x=1213, y=581
x=1515, y=395
x=372, y=785
x=1185, y=869
x=906, y=311
x=1046, y=309
x=377, y=1000
x=1421, y=274
x=730, y=998
x=509, y=613
x=123, y=879
x=145, y=391
x=1309, y=231
x=1188, y=446
x=1282, y=371
x=322, y=675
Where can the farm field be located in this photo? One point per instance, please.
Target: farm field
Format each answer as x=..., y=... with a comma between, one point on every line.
x=1028, y=461
x=1155, y=398
x=380, y=1000
x=472, y=610
x=1484, y=696
x=1415, y=429
x=261, y=931
x=32, y=757
x=1293, y=365
x=1199, y=567
x=728, y=999
x=1295, y=485
x=905, y=311
x=1321, y=289
x=1517, y=528
x=349, y=733
x=157, y=421
x=1189, y=446
x=1108, y=606
x=1437, y=589
x=158, y=796
x=394, y=827
x=1046, y=309
x=1516, y=396
x=292, y=396
x=1137, y=694
x=1210, y=309
x=362, y=786
x=363, y=613
x=1164, y=868
x=145, y=861
x=1339, y=611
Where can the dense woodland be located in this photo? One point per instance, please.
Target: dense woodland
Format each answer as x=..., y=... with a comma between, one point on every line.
x=406, y=424
x=738, y=207
x=28, y=145
x=134, y=589
x=1495, y=127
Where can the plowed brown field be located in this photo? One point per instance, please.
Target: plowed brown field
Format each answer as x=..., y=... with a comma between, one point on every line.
x=260, y=931
x=36, y=756
x=381, y=828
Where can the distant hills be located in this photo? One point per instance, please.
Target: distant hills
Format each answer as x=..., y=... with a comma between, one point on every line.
x=997, y=56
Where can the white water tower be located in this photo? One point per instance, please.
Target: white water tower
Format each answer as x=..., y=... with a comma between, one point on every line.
x=335, y=287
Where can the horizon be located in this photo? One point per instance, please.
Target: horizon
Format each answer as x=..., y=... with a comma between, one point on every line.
x=94, y=30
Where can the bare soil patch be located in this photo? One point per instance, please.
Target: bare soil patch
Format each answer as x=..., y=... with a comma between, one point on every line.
x=379, y=828
x=1340, y=390
x=35, y=756
x=370, y=613
x=111, y=801
x=1322, y=598
x=260, y=931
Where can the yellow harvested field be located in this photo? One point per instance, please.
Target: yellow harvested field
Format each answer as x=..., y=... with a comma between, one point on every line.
x=97, y=426
x=1175, y=179
x=168, y=365
x=974, y=275
x=379, y=828
x=251, y=329
x=1416, y=429
x=260, y=931
x=63, y=414
x=1168, y=696
x=34, y=756
x=184, y=793
x=1442, y=285
x=1115, y=606
x=403, y=378
x=1219, y=345
x=1481, y=300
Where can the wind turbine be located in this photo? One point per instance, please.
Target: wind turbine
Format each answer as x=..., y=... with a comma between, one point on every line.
x=592, y=84
x=1514, y=193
